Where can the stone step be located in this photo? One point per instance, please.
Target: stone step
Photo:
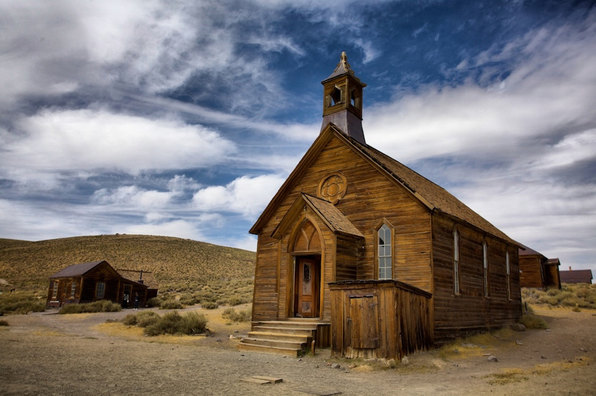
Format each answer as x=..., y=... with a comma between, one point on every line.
x=269, y=349
x=280, y=336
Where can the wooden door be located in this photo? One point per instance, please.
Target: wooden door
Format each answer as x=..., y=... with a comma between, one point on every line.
x=306, y=287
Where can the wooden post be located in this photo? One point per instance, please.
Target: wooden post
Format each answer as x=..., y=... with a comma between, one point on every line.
x=312, y=347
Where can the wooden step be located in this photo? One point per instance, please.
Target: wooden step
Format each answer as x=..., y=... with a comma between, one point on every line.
x=286, y=330
x=283, y=324
x=269, y=349
x=273, y=342
x=279, y=336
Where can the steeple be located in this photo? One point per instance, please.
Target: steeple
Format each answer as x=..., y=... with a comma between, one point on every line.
x=342, y=100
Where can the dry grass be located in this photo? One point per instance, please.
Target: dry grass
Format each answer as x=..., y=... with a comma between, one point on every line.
x=571, y=295
x=512, y=375
x=476, y=345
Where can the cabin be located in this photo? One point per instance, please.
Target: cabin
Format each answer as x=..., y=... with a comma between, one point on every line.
x=358, y=252
x=537, y=271
x=93, y=281
x=576, y=276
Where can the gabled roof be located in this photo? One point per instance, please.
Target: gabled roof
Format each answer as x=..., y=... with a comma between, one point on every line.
x=327, y=212
x=554, y=261
x=576, y=276
x=429, y=194
x=78, y=269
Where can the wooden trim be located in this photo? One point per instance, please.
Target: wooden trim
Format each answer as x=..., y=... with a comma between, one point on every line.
x=455, y=232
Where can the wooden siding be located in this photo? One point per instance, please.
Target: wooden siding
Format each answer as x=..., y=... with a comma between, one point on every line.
x=531, y=269
x=470, y=311
x=379, y=319
x=371, y=197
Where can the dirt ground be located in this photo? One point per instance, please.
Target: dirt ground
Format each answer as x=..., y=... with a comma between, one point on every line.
x=46, y=353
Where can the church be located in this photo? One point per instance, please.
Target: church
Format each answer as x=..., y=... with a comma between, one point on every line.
x=359, y=252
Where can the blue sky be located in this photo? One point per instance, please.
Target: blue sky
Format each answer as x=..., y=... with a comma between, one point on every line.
x=183, y=118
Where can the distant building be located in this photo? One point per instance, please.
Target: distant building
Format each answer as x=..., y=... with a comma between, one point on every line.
x=97, y=280
x=576, y=276
x=535, y=270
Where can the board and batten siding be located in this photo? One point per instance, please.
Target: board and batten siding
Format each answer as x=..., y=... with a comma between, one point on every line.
x=470, y=311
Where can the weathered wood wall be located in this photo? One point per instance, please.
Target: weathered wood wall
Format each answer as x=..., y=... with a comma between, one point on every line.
x=531, y=268
x=470, y=311
x=379, y=319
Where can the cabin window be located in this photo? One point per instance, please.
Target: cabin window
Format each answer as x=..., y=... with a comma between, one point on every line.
x=73, y=289
x=508, y=268
x=100, y=290
x=485, y=267
x=455, y=262
x=55, y=289
x=384, y=243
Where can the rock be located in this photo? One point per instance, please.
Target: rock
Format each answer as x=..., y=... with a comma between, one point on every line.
x=405, y=361
x=492, y=358
x=518, y=342
x=542, y=357
x=518, y=327
x=583, y=349
x=335, y=366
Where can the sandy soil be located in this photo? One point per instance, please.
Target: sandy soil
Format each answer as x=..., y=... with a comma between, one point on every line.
x=46, y=353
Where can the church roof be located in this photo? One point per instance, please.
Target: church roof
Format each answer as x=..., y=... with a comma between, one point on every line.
x=342, y=68
x=434, y=197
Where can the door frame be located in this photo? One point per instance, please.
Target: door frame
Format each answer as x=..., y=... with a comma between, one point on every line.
x=317, y=257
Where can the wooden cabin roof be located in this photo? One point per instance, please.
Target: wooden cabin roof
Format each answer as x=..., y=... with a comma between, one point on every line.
x=432, y=196
x=526, y=251
x=77, y=269
x=554, y=261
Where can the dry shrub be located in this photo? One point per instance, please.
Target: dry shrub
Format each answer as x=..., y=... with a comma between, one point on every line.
x=96, y=306
x=154, y=302
x=141, y=319
x=237, y=316
x=21, y=303
x=171, y=304
x=532, y=321
x=173, y=323
x=210, y=305
x=3, y=323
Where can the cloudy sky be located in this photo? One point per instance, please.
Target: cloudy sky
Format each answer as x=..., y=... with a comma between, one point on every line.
x=183, y=118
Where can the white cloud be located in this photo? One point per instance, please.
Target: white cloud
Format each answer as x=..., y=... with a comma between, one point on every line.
x=132, y=196
x=245, y=195
x=97, y=139
x=176, y=228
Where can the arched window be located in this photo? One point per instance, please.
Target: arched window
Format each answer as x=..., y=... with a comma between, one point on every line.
x=384, y=252
x=455, y=262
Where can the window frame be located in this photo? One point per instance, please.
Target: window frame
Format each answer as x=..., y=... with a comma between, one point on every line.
x=73, y=289
x=100, y=285
x=387, y=248
x=55, y=285
x=508, y=272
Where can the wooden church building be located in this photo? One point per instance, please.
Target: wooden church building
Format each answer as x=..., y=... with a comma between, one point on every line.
x=359, y=252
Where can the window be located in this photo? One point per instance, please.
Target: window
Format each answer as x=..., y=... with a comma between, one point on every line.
x=455, y=262
x=73, y=289
x=55, y=289
x=100, y=290
x=384, y=242
x=485, y=267
x=508, y=268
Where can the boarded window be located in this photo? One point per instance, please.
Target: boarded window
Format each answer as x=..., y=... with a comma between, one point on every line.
x=485, y=267
x=73, y=289
x=455, y=262
x=384, y=252
x=100, y=290
x=364, y=313
x=508, y=268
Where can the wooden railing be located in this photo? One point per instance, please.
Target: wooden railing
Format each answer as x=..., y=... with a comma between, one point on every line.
x=379, y=319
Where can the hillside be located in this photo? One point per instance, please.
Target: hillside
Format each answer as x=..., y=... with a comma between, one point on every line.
x=175, y=263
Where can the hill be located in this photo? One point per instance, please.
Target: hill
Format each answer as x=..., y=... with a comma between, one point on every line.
x=176, y=264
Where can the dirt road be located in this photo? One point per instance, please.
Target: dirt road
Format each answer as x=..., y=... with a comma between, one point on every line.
x=81, y=354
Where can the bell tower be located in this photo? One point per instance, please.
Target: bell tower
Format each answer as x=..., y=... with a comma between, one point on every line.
x=342, y=100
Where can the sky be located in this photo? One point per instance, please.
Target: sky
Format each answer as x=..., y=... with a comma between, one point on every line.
x=183, y=118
